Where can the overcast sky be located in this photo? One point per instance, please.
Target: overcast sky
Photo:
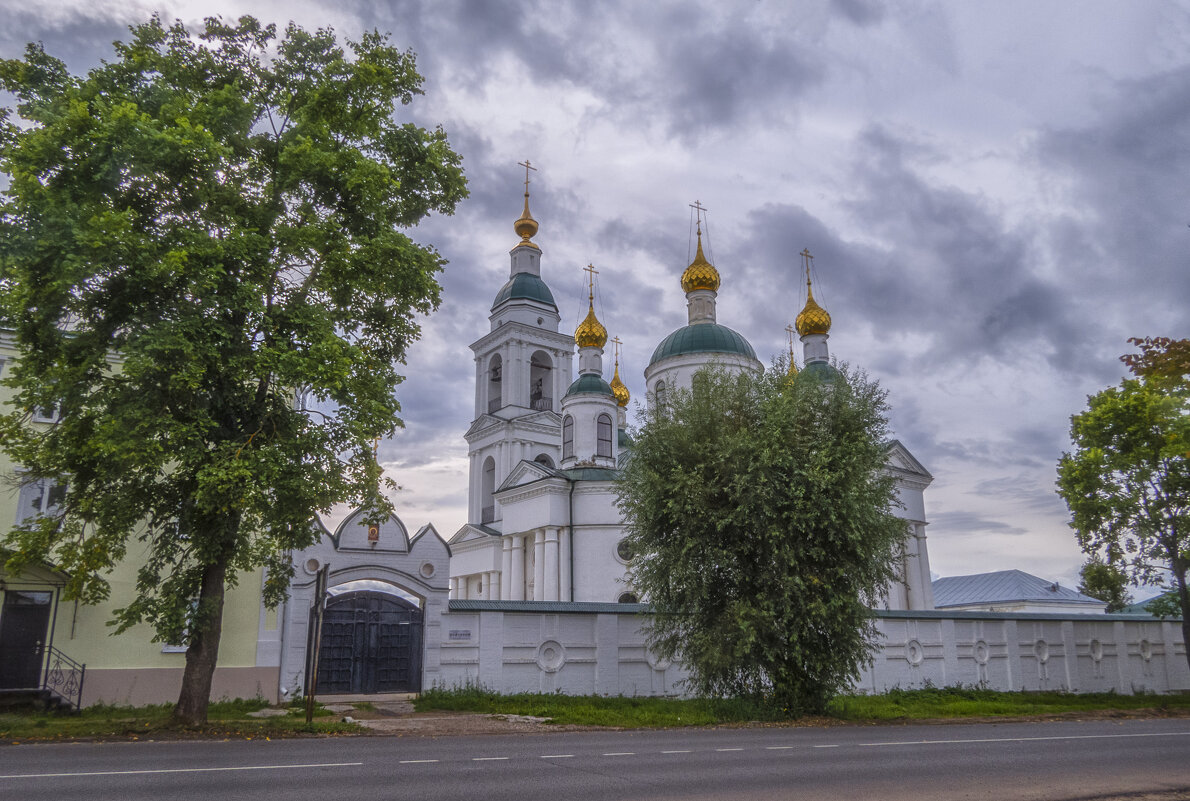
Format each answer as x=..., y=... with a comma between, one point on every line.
x=995, y=195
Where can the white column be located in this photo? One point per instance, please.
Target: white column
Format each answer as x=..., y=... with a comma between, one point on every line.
x=518, y=568
x=506, y=570
x=454, y=588
x=923, y=563
x=551, y=564
x=493, y=584
x=564, y=564
x=481, y=404
x=539, y=565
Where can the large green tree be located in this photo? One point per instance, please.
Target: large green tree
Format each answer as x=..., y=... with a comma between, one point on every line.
x=1105, y=581
x=1127, y=481
x=764, y=532
x=193, y=231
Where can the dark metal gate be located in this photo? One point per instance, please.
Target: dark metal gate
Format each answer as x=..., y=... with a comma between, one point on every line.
x=371, y=643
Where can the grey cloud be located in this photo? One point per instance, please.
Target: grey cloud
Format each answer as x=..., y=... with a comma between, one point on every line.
x=967, y=524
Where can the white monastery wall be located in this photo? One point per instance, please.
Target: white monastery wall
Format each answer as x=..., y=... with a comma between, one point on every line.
x=596, y=648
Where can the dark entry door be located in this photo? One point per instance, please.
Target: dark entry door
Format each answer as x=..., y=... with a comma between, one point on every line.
x=371, y=643
x=24, y=622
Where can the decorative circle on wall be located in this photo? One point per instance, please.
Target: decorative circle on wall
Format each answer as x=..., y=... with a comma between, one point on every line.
x=656, y=662
x=624, y=551
x=914, y=653
x=981, y=652
x=1146, y=650
x=551, y=656
x=312, y=566
x=1096, y=650
x=428, y=570
x=1041, y=650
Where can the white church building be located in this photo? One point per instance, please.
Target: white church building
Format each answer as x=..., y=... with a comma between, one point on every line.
x=545, y=443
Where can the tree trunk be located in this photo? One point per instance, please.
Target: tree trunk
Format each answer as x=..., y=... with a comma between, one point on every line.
x=203, y=652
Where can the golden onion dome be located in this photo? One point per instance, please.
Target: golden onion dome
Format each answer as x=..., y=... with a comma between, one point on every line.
x=590, y=332
x=618, y=388
x=526, y=226
x=701, y=274
x=812, y=319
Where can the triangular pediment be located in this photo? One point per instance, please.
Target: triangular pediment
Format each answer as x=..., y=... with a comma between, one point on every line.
x=471, y=533
x=526, y=472
x=901, y=460
x=483, y=422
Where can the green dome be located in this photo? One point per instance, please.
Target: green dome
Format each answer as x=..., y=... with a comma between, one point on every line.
x=702, y=338
x=823, y=371
x=590, y=382
x=525, y=286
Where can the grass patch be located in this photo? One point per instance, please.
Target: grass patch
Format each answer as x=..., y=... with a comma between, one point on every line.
x=962, y=702
x=224, y=718
x=951, y=702
x=591, y=710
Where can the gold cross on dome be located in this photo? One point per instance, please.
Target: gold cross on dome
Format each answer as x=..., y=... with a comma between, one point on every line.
x=807, y=258
x=592, y=272
x=616, y=341
x=789, y=329
x=699, y=211
x=528, y=166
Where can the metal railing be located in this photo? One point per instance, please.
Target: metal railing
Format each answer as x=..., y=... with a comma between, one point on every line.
x=542, y=404
x=64, y=677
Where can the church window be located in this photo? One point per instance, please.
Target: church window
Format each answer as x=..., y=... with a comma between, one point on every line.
x=540, y=393
x=603, y=434
x=544, y=458
x=659, y=393
x=628, y=598
x=624, y=551
x=495, y=377
x=488, y=512
x=568, y=437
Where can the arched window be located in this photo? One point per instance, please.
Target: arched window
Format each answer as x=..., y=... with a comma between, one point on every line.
x=568, y=437
x=659, y=393
x=544, y=458
x=495, y=376
x=603, y=435
x=628, y=598
x=488, y=513
x=540, y=391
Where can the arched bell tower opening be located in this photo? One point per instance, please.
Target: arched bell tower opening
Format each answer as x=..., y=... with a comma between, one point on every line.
x=540, y=378
x=495, y=383
x=488, y=513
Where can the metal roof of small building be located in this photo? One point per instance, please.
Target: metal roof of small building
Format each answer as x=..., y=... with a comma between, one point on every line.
x=1003, y=586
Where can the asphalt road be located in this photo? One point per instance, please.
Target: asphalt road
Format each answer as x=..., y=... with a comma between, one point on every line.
x=1049, y=760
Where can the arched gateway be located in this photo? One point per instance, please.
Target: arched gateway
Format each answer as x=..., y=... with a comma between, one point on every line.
x=371, y=643
x=382, y=623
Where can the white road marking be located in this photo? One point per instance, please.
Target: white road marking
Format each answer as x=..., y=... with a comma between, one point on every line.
x=488, y=759
x=777, y=747
x=621, y=753
x=556, y=756
x=729, y=749
x=676, y=752
x=1036, y=739
x=415, y=761
x=826, y=746
x=179, y=770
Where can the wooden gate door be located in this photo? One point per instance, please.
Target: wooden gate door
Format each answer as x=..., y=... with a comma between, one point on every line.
x=371, y=643
x=24, y=623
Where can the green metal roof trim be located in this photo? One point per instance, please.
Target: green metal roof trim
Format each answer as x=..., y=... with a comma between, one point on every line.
x=579, y=607
x=622, y=439
x=702, y=338
x=589, y=382
x=823, y=371
x=525, y=286
x=591, y=474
